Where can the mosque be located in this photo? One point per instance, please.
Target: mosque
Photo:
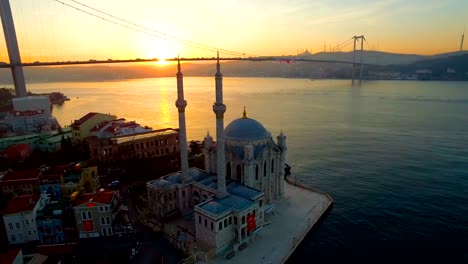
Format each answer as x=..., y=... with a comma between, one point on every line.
x=243, y=176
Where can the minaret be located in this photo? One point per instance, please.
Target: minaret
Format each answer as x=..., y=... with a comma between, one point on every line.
x=282, y=145
x=219, y=108
x=181, y=104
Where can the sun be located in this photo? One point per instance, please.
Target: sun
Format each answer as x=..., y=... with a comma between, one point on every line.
x=159, y=49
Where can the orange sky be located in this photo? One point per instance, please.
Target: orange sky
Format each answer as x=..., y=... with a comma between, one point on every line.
x=50, y=31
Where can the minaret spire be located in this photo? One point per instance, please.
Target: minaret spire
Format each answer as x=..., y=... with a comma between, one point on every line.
x=181, y=104
x=219, y=108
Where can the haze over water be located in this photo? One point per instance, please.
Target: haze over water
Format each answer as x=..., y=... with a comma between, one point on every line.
x=393, y=154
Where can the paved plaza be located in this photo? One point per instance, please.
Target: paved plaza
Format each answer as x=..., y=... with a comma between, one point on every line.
x=294, y=215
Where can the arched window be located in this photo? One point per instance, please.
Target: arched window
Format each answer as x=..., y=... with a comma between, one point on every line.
x=228, y=170
x=272, y=165
x=256, y=172
x=239, y=172
x=264, y=169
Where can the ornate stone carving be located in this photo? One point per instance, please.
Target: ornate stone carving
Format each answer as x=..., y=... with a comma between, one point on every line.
x=219, y=109
x=181, y=104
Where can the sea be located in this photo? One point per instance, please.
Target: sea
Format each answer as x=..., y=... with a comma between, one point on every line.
x=392, y=154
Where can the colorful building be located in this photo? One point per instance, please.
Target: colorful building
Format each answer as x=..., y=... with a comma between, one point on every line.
x=156, y=143
x=19, y=218
x=81, y=128
x=14, y=183
x=95, y=213
x=50, y=224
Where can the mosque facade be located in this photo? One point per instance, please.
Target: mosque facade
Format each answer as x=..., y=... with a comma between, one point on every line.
x=243, y=176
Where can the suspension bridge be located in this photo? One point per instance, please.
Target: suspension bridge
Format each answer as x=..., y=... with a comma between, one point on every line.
x=16, y=65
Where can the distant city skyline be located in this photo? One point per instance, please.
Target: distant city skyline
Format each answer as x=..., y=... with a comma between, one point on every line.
x=48, y=30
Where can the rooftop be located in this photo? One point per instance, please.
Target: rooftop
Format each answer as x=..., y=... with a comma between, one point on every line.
x=10, y=255
x=28, y=174
x=84, y=119
x=104, y=197
x=21, y=203
x=240, y=197
x=134, y=137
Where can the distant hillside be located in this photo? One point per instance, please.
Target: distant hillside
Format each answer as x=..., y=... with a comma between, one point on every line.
x=404, y=63
x=374, y=57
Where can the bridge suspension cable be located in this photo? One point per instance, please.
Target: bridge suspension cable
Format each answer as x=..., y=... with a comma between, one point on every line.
x=149, y=31
x=342, y=45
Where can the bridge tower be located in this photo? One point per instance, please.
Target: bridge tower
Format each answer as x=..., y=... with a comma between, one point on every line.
x=462, y=39
x=356, y=39
x=12, y=46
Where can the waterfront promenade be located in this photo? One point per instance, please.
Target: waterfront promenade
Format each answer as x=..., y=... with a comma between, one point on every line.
x=294, y=215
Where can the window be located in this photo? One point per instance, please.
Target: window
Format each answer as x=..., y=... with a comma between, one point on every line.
x=86, y=215
x=101, y=209
x=225, y=222
x=10, y=225
x=104, y=231
x=199, y=219
x=26, y=222
x=206, y=224
x=264, y=169
x=18, y=226
x=256, y=172
x=261, y=203
x=108, y=220
x=109, y=231
x=211, y=226
x=102, y=221
x=235, y=220
x=272, y=165
x=13, y=238
x=183, y=193
x=220, y=226
x=243, y=219
x=230, y=220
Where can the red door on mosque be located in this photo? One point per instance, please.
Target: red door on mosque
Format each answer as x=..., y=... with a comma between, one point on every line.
x=251, y=225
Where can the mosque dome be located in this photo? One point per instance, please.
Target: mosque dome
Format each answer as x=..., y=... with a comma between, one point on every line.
x=246, y=129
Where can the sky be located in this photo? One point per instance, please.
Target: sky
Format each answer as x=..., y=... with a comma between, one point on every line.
x=51, y=31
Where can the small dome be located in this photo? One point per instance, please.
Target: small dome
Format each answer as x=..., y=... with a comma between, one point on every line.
x=246, y=129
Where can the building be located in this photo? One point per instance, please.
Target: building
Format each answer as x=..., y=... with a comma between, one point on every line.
x=251, y=156
x=19, y=218
x=32, y=103
x=50, y=182
x=81, y=128
x=79, y=179
x=116, y=128
x=17, y=153
x=58, y=181
x=156, y=143
x=95, y=213
x=53, y=142
x=23, y=182
x=50, y=224
x=31, y=114
x=32, y=121
x=47, y=142
x=244, y=175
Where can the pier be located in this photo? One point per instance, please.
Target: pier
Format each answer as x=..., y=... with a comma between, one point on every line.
x=292, y=218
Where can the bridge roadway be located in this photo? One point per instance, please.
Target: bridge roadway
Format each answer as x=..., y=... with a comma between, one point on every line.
x=110, y=61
